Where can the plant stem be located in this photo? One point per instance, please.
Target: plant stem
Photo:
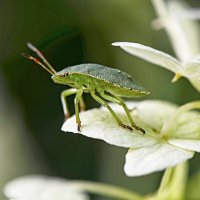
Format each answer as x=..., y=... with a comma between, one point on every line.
x=173, y=178
x=107, y=190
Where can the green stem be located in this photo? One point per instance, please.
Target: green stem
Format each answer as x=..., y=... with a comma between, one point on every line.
x=160, y=7
x=173, y=183
x=107, y=190
x=165, y=180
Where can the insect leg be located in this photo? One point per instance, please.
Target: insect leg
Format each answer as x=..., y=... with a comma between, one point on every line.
x=76, y=103
x=120, y=101
x=63, y=96
x=105, y=104
x=82, y=104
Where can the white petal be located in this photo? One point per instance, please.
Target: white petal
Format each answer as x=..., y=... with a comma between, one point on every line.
x=193, y=14
x=42, y=188
x=192, y=68
x=154, y=112
x=192, y=72
x=187, y=122
x=192, y=64
x=151, y=55
x=155, y=158
x=195, y=83
x=193, y=145
x=25, y=186
x=187, y=126
x=183, y=33
x=100, y=124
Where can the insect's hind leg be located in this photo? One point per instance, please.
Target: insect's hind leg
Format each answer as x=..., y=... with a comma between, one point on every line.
x=120, y=101
x=77, y=100
x=105, y=104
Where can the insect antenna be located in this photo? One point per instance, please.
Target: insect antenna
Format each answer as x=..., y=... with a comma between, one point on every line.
x=38, y=62
x=34, y=49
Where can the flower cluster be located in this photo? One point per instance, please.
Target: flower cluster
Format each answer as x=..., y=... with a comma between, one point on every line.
x=172, y=134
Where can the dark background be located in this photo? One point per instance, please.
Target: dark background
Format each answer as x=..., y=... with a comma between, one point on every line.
x=70, y=32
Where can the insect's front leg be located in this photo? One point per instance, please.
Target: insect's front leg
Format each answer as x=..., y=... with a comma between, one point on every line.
x=77, y=100
x=82, y=104
x=63, y=96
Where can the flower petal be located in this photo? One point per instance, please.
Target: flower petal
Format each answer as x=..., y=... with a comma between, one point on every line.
x=195, y=83
x=192, y=13
x=100, y=124
x=42, y=188
x=151, y=55
x=192, y=72
x=185, y=32
x=187, y=126
x=154, y=158
x=183, y=123
x=155, y=112
x=182, y=31
x=193, y=145
x=192, y=66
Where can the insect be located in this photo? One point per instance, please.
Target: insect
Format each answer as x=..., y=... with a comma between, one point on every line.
x=103, y=83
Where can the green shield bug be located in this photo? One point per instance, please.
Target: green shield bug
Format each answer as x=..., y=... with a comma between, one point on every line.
x=103, y=83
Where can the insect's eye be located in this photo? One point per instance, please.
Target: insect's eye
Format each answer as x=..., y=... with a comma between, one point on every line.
x=64, y=74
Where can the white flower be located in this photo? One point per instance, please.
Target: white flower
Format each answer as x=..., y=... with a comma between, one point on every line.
x=189, y=69
x=172, y=135
x=182, y=31
x=193, y=14
x=43, y=188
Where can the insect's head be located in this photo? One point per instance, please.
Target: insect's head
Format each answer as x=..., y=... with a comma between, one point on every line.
x=45, y=65
x=61, y=77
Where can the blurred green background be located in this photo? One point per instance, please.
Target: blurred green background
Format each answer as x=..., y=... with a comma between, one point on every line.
x=69, y=32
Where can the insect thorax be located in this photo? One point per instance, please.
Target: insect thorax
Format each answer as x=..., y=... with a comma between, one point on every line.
x=86, y=82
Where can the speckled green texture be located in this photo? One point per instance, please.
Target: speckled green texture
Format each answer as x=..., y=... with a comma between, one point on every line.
x=115, y=77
